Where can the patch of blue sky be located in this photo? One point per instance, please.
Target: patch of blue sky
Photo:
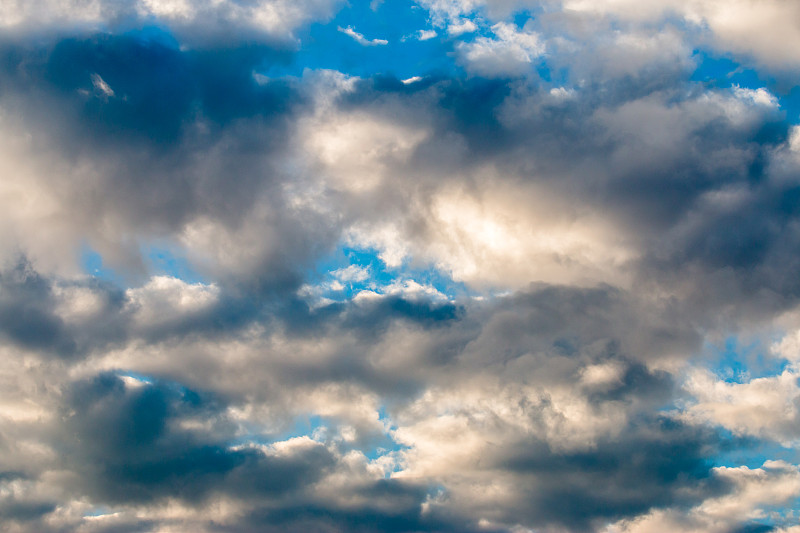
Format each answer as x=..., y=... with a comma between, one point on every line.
x=722, y=71
x=160, y=259
x=92, y=264
x=137, y=376
x=521, y=17
x=738, y=361
x=390, y=43
x=302, y=426
x=98, y=510
x=382, y=447
x=163, y=259
x=751, y=452
x=389, y=445
x=377, y=275
x=305, y=425
x=154, y=34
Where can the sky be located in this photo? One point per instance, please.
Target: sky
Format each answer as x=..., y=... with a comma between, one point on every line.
x=457, y=266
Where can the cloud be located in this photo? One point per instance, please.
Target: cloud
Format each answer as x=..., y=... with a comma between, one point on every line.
x=764, y=407
x=360, y=39
x=197, y=22
x=480, y=298
x=130, y=443
x=424, y=35
x=766, y=36
x=101, y=86
x=510, y=53
x=770, y=25
x=774, y=483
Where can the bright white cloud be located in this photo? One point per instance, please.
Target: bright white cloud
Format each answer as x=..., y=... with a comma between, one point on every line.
x=768, y=30
x=766, y=407
x=356, y=152
x=352, y=273
x=503, y=237
x=761, y=96
x=360, y=39
x=189, y=18
x=461, y=27
x=510, y=52
x=164, y=299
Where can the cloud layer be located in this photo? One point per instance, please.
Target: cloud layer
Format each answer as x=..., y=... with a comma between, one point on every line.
x=445, y=266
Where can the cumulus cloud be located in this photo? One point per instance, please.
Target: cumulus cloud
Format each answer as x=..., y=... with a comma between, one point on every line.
x=196, y=21
x=511, y=52
x=775, y=483
x=764, y=31
x=479, y=298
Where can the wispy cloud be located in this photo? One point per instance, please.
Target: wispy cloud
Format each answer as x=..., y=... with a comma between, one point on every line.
x=360, y=39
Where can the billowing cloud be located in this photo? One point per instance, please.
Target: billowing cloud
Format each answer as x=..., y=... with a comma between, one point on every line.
x=196, y=21
x=510, y=52
x=530, y=268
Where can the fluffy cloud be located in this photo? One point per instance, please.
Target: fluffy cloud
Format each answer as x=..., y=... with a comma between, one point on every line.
x=761, y=29
x=475, y=300
x=511, y=52
x=198, y=22
x=775, y=483
x=764, y=407
x=765, y=31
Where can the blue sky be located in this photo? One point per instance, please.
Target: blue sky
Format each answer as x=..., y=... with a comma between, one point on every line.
x=395, y=266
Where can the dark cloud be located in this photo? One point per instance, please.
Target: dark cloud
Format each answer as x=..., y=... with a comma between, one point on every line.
x=167, y=106
x=124, y=442
x=651, y=464
x=26, y=312
x=152, y=138
x=25, y=511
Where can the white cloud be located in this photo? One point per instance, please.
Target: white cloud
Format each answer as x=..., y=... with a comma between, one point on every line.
x=190, y=19
x=767, y=407
x=444, y=11
x=461, y=27
x=761, y=96
x=424, y=35
x=502, y=237
x=788, y=347
x=360, y=39
x=164, y=299
x=412, y=290
x=755, y=490
x=510, y=53
x=101, y=86
x=352, y=273
x=77, y=303
x=356, y=152
x=768, y=30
